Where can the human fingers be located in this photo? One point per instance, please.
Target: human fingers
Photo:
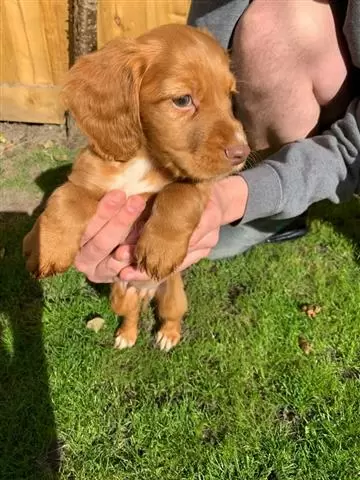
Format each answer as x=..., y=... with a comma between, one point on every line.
x=194, y=257
x=202, y=250
x=131, y=273
x=109, y=237
x=107, y=270
x=209, y=240
x=108, y=207
x=209, y=221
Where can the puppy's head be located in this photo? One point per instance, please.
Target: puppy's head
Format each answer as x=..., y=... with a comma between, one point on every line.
x=168, y=91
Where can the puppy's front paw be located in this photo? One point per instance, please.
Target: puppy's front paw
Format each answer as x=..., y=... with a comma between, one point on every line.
x=159, y=257
x=125, y=338
x=167, y=338
x=46, y=255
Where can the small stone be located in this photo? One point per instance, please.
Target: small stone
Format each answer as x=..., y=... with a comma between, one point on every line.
x=95, y=324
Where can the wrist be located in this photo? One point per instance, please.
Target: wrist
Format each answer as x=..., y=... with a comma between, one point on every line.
x=232, y=193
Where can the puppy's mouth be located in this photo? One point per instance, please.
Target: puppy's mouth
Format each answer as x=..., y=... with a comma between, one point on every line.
x=226, y=166
x=216, y=177
x=240, y=166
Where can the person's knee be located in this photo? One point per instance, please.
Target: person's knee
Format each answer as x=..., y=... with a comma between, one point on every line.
x=287, y=69
x=273, y=85
x=274, y=37
x=270, y=34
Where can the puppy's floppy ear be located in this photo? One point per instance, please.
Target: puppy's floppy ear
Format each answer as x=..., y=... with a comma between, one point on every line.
x=102, y=92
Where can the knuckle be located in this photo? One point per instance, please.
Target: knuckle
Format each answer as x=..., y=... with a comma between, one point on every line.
x=80, y=265
x=123, y=220
x=111, y=267
x=94, y=278
x=103, y=213
x=97, y=247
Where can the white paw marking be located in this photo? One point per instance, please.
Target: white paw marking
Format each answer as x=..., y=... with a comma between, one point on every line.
x=165, y=343
x=122, y=342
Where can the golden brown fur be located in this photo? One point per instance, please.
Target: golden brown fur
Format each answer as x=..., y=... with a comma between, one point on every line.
x=128, y=99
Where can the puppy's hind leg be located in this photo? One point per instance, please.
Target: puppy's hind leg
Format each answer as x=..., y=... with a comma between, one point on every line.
x=126, y=302
x=172, y=306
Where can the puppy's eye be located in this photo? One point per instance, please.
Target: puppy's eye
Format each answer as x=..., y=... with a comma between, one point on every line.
x=183, y=101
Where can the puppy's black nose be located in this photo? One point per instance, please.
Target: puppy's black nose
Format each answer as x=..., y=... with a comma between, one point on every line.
x=237, y=153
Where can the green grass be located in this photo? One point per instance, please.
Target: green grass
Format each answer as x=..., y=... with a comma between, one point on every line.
x=17, y=172
x=238, y=399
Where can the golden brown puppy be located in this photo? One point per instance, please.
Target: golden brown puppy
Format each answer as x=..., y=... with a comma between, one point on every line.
x=157, y=112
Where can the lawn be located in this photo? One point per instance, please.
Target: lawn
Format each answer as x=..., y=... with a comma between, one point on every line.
x=257, y=390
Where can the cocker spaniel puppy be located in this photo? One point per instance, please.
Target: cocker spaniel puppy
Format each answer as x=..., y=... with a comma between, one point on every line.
x=158, y=115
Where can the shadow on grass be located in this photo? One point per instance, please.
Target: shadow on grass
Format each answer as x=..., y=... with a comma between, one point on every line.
x=29, y=446
x=345, y=219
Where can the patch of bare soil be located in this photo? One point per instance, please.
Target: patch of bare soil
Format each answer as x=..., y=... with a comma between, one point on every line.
x=23, y=201
x=16, y=136
x=25, y=134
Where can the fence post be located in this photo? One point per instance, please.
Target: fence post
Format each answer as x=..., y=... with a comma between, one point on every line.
x=82, y=40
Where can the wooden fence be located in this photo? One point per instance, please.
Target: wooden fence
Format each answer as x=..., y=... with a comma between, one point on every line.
x=39, y=39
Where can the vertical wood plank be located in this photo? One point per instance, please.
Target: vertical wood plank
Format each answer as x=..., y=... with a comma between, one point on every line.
x=132, y=18
x=34, y=46
x=34, y=55
x=34, y=41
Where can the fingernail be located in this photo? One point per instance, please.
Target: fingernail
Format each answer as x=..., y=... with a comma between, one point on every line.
x=116, y=198
x=135, y=204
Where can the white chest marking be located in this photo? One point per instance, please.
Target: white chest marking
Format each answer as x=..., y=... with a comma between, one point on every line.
x=131, y=180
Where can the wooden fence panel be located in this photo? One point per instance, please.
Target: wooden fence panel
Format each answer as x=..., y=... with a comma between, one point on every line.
x=34, y=48
x=131, y=18
x=34, y=58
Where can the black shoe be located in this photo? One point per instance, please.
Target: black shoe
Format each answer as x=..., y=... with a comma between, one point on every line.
x=295, y=229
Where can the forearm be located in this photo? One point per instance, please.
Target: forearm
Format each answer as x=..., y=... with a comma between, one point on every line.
x=231, y=194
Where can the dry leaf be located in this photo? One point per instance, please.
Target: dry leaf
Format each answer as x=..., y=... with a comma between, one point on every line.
x=3, y=139
x=95, y=324
x=311, y=310
x=7, y=147
x=305, y=345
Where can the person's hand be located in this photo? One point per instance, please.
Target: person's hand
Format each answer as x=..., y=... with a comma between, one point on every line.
x=110, y=227
x=227, y=203
x=102, y=262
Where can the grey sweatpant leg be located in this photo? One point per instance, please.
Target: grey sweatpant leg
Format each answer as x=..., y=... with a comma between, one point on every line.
x=237, y=239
